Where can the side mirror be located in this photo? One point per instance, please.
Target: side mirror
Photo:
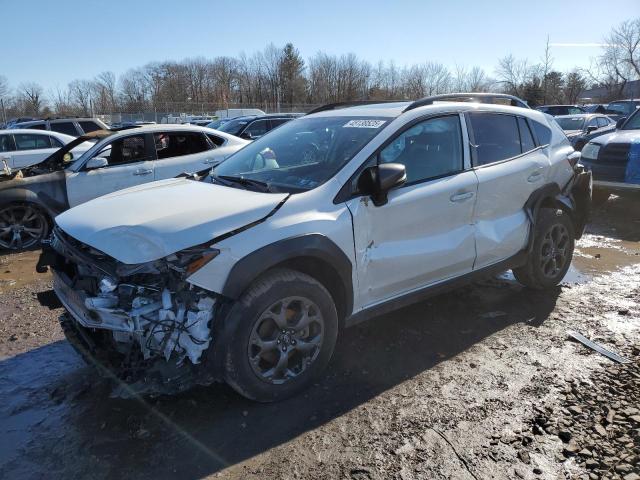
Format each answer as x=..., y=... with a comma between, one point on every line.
x=96, y=162
x=620, y=122
x=591, y=128
x=376, y=181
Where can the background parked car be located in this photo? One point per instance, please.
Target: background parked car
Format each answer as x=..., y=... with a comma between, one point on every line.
x=622, y=108
x=255, y=126
x=614, y=159
x=69, y=126
x=118, y=160
x=556, y=110
x=477, y=97
x=583, y=127
x=13, y=121
x=21, y=148
x=595, y=108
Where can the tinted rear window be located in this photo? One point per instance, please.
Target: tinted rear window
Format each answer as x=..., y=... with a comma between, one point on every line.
x=496, y=137
x=89, y=126
x=64, y=127
x=542, y=133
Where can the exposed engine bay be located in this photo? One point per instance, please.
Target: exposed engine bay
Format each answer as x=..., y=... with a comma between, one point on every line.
x=133, y=318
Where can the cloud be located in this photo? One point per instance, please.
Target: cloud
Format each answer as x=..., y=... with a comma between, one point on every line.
x=581, y=45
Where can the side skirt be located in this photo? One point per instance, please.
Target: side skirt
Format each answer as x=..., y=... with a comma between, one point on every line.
x=517, y=260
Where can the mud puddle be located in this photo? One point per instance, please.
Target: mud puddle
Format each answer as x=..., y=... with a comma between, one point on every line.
x=18, y=270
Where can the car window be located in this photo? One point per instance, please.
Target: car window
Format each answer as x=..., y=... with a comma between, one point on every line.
x=125, y=150
x=6, y=143
x=55, y=143
x=429, y=149
x=526, y=138
x=257, y=128
x=89, y=126
x=570, y=123
x=29, y=141
x=592, y=123
x=574, y=110
x=35, y=126
x=64, y=127
x=620, y=108
x=542, y=132
x=602, y=122
x=496, y=137
x=217, y=141
x=633, y=122
x=298, y=156
x=276, y=122
x=177, y=144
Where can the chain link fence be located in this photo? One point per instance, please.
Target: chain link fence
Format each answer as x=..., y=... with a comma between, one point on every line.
x=183, y=112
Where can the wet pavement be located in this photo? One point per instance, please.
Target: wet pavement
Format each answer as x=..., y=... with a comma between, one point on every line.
x=425, y=392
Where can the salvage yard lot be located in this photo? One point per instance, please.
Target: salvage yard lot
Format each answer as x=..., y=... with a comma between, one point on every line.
x=479, y=383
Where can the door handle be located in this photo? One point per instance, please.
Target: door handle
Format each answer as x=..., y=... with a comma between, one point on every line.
x=143, y=172
x=461, y=197
x=535, y=176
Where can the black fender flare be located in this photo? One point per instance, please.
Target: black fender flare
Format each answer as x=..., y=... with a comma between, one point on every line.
x=574, y=199
x=313, y=246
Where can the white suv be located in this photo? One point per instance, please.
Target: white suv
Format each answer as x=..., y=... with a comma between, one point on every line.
x=332, y=218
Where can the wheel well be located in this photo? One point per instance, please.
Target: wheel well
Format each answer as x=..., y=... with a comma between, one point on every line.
x=551, y=202
x=324, y=273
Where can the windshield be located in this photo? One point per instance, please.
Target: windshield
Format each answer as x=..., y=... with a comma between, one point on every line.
x=633, y=123
x=572, y=123
x=621, y=108
x=301, y=155
x=234, y=127
x=217, y=123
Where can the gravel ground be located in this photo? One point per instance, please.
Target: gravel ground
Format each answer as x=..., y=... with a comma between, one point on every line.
x=483, y=382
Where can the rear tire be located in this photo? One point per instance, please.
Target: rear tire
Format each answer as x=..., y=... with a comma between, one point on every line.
x=284, y=331
x=550, y=258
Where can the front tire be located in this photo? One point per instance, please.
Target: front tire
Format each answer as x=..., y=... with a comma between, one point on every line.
x=284, y=331
x=550, y=258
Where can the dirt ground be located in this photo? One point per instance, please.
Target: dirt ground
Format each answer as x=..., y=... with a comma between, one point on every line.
x=483, y=382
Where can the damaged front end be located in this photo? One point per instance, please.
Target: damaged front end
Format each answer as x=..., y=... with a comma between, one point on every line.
x=142, y=325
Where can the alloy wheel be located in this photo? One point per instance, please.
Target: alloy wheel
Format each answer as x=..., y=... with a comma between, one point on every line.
x=286, y=339
x=554, y=254
x=21, y=226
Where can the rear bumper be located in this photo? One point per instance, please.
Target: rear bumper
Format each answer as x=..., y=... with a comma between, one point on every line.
x=579, y=191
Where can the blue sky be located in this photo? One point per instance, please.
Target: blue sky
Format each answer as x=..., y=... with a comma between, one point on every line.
x=52, y=42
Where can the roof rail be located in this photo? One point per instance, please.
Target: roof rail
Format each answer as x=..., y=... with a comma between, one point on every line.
x=353, y=103
x=443, y=98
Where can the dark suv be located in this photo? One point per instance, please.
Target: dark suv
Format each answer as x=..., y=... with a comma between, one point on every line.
x=69, y=126
x=254, y=126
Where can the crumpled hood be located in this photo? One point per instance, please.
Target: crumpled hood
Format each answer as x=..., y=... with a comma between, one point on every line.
x=151, y=221
x=619, y=136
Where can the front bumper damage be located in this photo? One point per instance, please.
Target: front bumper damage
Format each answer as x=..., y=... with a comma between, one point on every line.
x=142, y=325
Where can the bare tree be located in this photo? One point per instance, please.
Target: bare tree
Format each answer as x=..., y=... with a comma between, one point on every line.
x=546, y=66
x=4, y=87
x=514, y=74
x=80, y=94
x=31, y=95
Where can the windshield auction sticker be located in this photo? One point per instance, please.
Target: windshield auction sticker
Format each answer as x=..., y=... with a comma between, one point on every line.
x=364, y=124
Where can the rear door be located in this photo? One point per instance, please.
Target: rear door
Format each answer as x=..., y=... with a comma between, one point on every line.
x=183, y=151
x=131, y=161
x=31, y=149
x=509, y=167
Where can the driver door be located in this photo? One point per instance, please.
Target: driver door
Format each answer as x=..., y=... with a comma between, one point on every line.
x=130, y=162
x=424, y=234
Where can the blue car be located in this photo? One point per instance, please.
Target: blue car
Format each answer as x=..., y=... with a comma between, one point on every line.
x=614, y=160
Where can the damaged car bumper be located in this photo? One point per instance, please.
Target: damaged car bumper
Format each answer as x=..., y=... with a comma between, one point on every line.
x=133, y=317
